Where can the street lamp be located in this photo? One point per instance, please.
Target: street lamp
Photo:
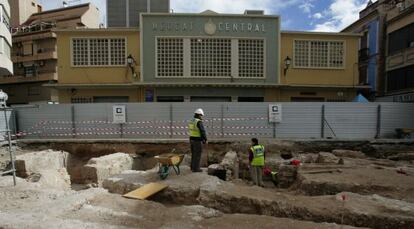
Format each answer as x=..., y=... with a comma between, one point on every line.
x=287, y=61
x=131, y=62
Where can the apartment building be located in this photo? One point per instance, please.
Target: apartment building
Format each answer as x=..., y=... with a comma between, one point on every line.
x=34, y=52
x=6, y=65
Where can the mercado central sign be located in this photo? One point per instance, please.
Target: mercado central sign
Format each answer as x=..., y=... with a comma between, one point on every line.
x=210, y=27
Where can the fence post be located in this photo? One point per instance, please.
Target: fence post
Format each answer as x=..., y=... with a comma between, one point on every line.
x=378, y=135
x=323, y=122
x=222, y=121
x=72, y=109
x=171, y=120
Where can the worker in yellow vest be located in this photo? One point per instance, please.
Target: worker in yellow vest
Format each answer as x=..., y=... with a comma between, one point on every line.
x=197, y=137
x=256, y=161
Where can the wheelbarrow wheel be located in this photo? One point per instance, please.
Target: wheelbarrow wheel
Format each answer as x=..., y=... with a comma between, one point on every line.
x=163, y=172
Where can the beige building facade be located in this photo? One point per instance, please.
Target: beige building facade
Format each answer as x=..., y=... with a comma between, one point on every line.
x=21, y=10
x=217, y=58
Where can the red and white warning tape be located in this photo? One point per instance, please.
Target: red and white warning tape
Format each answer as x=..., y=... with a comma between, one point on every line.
x=46, y=128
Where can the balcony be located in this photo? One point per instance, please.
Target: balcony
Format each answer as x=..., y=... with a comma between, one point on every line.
x=45, y=55
x=363, y=54
x=397, y=10
x=400, y=59
x=51, y=76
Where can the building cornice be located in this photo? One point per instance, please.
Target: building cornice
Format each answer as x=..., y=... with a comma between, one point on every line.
x=321, y=33
x=211, y=15
x=97, y=30
x=180, y=85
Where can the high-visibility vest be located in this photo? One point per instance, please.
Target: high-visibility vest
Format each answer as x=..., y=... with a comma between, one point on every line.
x=194, y=131
x=258, y=155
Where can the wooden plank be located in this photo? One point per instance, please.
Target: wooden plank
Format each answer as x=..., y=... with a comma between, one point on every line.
x=146, y=191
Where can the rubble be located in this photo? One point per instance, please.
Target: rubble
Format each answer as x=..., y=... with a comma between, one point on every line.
x=228, y=168
x=27, y=164
x=348, y=153
x=327, y=158
x=286, y=175
x=98, y=169
x=230, y=163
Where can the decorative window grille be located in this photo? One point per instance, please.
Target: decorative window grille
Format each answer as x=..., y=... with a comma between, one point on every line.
x=170, y=57
x=98, y=52
x=336, y=54
x=81, y=100
x=80, y=52
x=118, y=51
x=251, y=58
x=211, y=57
x=319, y=54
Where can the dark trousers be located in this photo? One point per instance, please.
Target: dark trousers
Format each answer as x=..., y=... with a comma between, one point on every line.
x=196, y=150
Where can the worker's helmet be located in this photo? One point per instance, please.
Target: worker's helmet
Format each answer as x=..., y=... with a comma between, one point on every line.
x=199, y=111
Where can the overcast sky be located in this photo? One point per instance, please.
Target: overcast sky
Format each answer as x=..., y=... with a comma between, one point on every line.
x=312, y=15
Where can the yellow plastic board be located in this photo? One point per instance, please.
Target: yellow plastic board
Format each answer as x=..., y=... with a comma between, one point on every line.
x=146, y=191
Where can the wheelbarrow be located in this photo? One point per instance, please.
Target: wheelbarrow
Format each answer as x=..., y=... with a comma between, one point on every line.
x=166, y=161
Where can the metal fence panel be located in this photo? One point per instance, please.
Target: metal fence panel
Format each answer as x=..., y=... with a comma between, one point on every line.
x=396, y=115
x=43, y=121
x=9, y=117
x=147, y=120
x=222, y=120
x=300, y=120
x=351, y=120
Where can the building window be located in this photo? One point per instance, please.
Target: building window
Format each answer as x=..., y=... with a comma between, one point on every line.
x=80, y=52
x=118, y=51
x=5, y=18
x=401, y=39
x=98, y=52
x=335, y=100
x=211, y=57
x=318, y=54
x=251, y=58
x=400, y=79
x=33, y=90
x=30, y=71
x=81, y=100
x=307, y=99
x=170, y=98
x=170, y=57
x=250, y=99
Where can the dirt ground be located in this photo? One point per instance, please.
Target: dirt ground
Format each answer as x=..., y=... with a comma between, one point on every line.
x=360, y=192
x=29, y=206
x=364, y=176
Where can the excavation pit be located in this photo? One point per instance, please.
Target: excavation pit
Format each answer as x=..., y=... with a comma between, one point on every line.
x=367, y=192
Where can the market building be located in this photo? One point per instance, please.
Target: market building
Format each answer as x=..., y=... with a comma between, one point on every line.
x=205, y=57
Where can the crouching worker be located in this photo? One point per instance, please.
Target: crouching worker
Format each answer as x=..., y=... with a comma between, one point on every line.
x=272, y=174
x=256, y=161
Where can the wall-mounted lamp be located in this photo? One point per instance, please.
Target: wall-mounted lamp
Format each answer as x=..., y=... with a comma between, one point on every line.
x=73, y=91
x=287, y=61
x=131, y=63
